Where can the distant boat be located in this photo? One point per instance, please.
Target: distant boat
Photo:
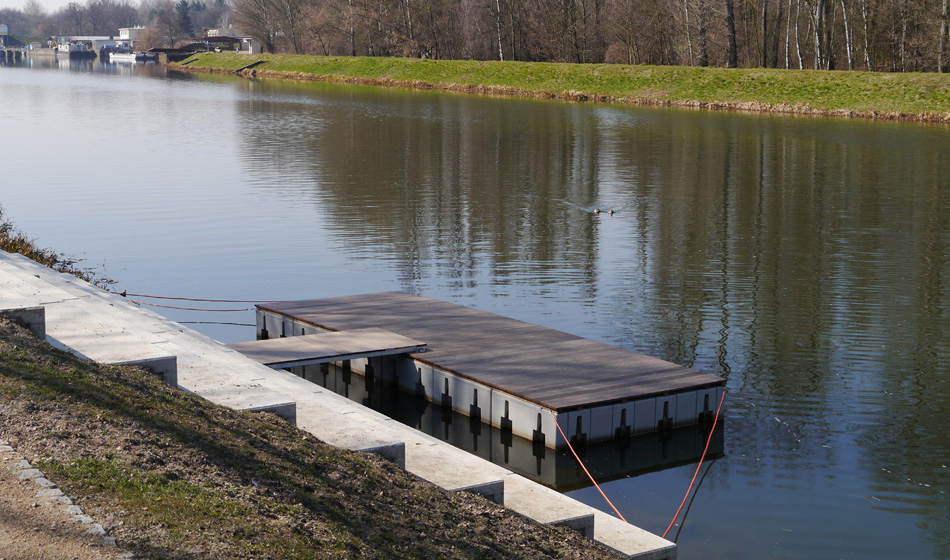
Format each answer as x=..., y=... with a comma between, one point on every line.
x=75, y=49
x=131, y=57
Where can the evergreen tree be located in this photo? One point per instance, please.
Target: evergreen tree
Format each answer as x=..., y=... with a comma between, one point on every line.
x=184, y=17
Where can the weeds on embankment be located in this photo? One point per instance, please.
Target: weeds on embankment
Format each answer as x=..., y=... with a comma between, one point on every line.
x=13, y=240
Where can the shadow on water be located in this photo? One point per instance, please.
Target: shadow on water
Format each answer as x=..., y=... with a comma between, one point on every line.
x=606, y=461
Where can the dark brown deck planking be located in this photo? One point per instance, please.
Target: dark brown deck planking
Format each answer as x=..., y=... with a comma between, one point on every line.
x=325, y=345
x=551, y=368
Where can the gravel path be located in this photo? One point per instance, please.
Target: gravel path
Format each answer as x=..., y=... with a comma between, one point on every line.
x=38, y=522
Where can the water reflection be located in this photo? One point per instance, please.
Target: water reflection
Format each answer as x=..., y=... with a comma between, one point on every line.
x=59, y=63
x=451, y=187
x=557, y=469
x=803, y=259
x=86, y=65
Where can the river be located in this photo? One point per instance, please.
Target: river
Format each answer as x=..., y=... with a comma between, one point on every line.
x=804, y=259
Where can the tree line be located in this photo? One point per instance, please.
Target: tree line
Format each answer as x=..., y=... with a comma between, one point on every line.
x=878, y=35
x=168, y=22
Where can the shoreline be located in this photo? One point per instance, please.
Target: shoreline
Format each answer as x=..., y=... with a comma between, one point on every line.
x=567, y=95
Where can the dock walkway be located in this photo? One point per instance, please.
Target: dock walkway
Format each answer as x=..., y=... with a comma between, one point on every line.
x=312, y=349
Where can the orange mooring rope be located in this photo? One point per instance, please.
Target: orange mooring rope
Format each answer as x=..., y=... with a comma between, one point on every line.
x=690, y=489
x=581, y=463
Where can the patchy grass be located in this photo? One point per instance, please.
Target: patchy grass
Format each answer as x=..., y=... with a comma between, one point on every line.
x=171, y=475
x=910, y=96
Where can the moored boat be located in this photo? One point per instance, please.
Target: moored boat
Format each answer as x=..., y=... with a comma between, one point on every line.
x=131, y=57
x=75, y=49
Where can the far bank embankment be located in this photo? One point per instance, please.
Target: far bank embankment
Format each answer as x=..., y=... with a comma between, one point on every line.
x=914, y=97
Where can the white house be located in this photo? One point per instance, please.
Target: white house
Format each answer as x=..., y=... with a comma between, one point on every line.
x=131, y=34
x=250, y=45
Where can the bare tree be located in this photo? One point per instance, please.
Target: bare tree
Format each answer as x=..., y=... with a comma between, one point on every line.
x=74, y=15
x=290, y=14
x=624, y=26
x=847, y=35
x=689, y=40
x=828, y=46
x=98, y=13
x=35, y=17
x=817, y=15
x=259, y=18
x=883, y=35
x=788, y=33
x=942, y=42
x=731, y=50
x=702, y=17
x=903, y=25
x=867, y=35
x=163, y=18
x=323, y=24
x=497, y=16
x=776, y=35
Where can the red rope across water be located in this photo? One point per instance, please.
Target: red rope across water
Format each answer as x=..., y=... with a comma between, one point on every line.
x=186, y=308
x=581, y=463
x=126, y=294
x=690, y=489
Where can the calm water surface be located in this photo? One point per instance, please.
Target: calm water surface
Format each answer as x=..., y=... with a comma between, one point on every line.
x=805, y=260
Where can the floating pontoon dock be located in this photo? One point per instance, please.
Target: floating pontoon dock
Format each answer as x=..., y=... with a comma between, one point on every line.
x=515, y=375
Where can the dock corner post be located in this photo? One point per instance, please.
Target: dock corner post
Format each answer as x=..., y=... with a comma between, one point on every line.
x=624, y=429
x=537, y=436
x=261, y=320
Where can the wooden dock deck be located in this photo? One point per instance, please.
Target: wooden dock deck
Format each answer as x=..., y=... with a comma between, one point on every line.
x=281, y=353
x=550, y=368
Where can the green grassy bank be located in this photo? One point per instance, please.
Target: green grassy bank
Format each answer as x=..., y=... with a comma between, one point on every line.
x=914, y=96
x=170, y=475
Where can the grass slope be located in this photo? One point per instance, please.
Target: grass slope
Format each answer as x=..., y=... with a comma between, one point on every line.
x=173, y=476
x=911, y=96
